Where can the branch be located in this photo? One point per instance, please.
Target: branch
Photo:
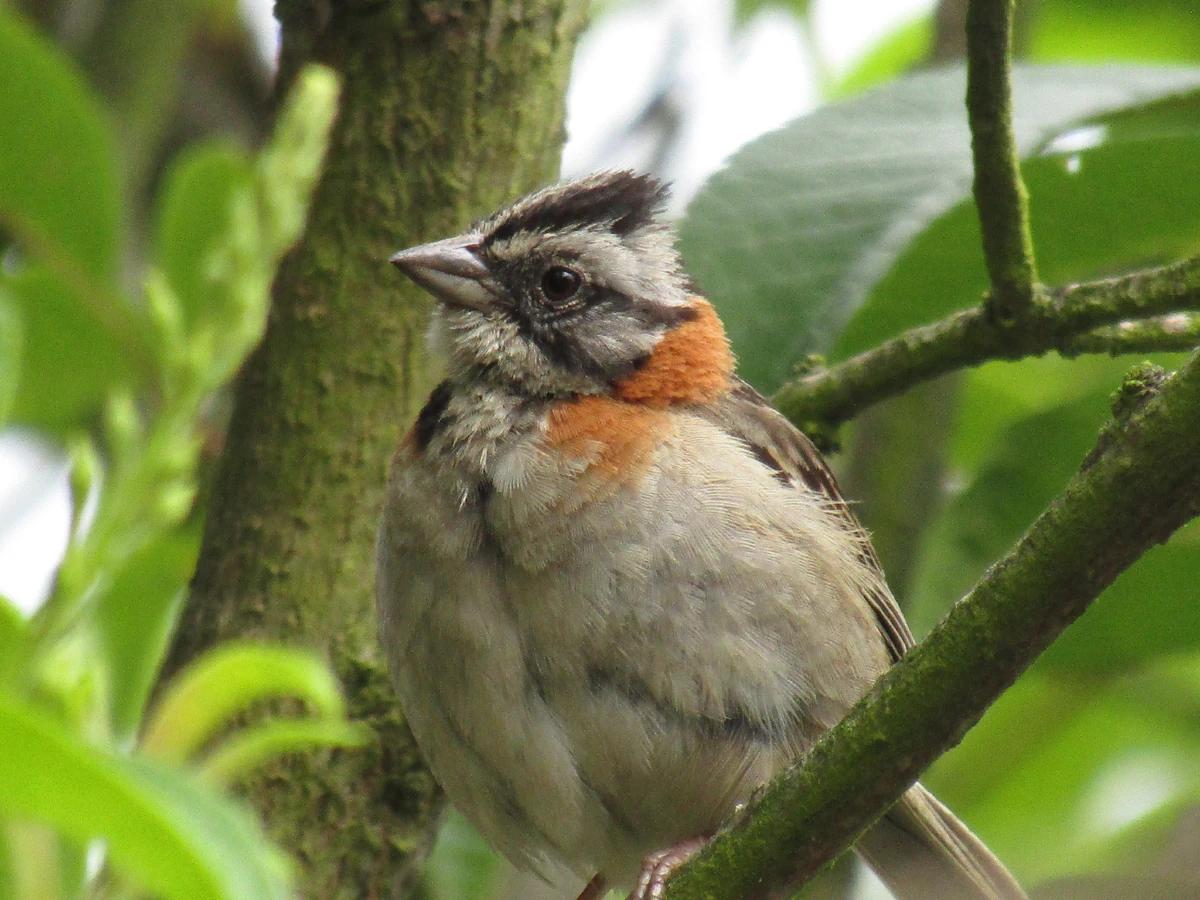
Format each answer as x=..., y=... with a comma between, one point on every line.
x=1139, y=485
x=1071, y=320
x=1175, y=332
x=999, y=192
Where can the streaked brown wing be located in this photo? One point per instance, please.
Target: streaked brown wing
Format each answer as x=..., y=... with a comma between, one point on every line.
x=784, y=449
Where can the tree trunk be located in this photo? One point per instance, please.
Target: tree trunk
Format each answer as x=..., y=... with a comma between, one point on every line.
x=448, y=109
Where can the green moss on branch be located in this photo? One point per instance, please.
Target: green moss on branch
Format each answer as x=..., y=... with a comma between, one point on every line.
x=1081, y=318
x=1178, y=332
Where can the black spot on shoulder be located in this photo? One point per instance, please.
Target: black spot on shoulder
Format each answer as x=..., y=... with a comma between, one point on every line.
x=764, y=456
x=624, y=200
x=432, y=417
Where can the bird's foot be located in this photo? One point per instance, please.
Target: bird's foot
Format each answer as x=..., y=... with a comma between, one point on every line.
x=657, y=868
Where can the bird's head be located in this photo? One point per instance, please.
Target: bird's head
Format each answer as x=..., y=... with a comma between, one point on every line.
x=566, y=291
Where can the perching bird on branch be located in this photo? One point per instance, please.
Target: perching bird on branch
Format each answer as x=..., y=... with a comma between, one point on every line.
x=618, y=591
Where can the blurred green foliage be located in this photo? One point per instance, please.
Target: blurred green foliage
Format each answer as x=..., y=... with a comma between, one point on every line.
x=1101, y=31
x=124, y=377
x=745, y=10
x=900, y=51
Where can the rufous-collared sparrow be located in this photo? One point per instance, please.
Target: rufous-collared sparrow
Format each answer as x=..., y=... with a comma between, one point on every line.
x=618, y=591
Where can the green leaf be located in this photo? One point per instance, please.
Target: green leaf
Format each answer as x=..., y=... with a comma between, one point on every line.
x=266, y=222
x=69, y=362
x=461, y=865
x=289, y=165
x=251, y=747
x=134, y=618
x=166, y=833
x=58, y=171
x=1102, y=31
x=1030, y=464
x=1030, y=715
x=226, y=681
x=996, y=396
x=1051, y=766
x=193, y=218
x=31, y=863
x=1148, y=612
x=1174, y=681
x=11, y=340
x=797, y=231
x=10, y=870
x=137, y=55
x=745, y=10
x=1134, y=199
x=898, y=52
x=13, y=632
x=152, y=484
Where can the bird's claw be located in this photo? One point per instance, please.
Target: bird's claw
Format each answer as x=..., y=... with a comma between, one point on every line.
x=658, y=867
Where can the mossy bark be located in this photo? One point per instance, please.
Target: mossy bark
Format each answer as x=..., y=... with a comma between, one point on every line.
x=1074, y=319
x=448, y=109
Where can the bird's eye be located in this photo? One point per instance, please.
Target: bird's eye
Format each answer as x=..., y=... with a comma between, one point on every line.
x=560, y=283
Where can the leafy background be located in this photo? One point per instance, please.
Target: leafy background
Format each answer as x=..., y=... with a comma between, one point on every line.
x=140, y=225
x=119, y=361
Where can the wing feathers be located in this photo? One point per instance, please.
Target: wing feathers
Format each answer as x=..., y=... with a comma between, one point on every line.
x=780, y=446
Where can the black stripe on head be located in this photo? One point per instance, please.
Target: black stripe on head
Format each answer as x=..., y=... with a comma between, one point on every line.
x=624, y=201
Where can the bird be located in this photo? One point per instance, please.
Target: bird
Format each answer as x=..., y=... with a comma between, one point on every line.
x=618, y=591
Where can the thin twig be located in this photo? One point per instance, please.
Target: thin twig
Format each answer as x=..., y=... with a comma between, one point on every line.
x=1177, y=332
x=1065, y=321
x=999, y=192
x=1140, y=484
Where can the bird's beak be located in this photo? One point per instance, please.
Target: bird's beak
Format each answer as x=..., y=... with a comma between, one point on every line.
x=451, y=270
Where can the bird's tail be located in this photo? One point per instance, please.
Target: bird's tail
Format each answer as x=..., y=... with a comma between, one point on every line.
x=922, y=852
